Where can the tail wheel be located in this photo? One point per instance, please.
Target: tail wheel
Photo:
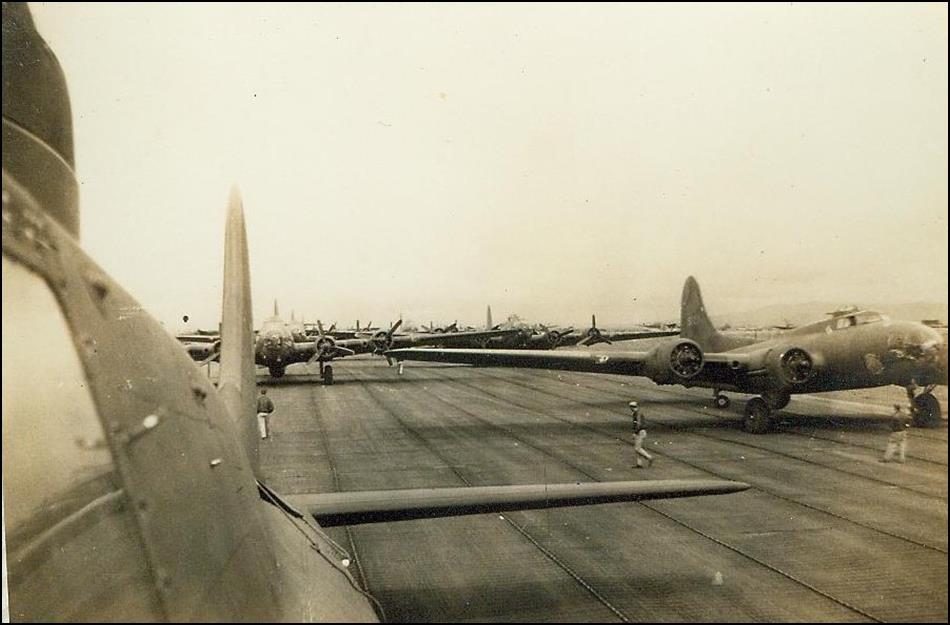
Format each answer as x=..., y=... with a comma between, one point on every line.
x=927, y=411
x=777, y=401
x=276, y=372
x=758, y=416
x=328, y=375
x=722, y=402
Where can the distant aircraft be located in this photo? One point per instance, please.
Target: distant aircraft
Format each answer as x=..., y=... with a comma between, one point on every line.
x=279, y=344
x=853, y=349
x=544, y=337
x=131, y=484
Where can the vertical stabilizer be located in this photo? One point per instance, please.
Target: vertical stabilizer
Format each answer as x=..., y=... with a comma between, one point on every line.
x=694, y=321
x=237, y=379
x=488, y=324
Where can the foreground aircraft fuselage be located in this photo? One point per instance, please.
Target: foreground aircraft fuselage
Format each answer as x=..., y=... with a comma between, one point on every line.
x=857, y=349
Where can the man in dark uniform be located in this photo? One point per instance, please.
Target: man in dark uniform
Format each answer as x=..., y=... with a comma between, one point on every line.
x=264, y=407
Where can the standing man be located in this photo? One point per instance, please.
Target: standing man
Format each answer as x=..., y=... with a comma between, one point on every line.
x=639, y=435
x=264, y=407
x=897, y=441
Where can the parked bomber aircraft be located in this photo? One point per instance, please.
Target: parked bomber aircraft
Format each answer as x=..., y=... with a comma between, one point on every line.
x=853, y=349
x=279, y=344
x=131, y=485
x=541, y=336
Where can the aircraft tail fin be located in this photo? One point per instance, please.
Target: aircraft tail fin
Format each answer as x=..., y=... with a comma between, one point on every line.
x=237, y=382
x=488, y=323
x=694, y=321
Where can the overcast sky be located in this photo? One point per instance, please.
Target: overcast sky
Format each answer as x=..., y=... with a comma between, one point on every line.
x=551, y=160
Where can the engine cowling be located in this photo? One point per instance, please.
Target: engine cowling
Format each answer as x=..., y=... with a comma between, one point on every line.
x=325, y=344
x=675, y=362
x=792, y=366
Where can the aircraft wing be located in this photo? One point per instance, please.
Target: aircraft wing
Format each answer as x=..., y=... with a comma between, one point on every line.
x=643, y=334
x=624, y=363
x=673, y=362
x=353, y=508
x=197, y=338
x=450, y=339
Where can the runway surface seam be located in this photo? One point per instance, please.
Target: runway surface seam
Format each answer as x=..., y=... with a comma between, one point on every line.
x=354, y=552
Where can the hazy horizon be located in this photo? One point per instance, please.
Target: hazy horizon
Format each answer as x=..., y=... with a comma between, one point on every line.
x=549, y=160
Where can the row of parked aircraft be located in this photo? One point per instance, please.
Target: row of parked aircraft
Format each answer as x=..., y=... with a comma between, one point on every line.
x=851, y=349
x=280, y=343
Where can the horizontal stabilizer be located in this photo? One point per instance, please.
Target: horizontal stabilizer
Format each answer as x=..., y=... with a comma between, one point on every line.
x=353, y=508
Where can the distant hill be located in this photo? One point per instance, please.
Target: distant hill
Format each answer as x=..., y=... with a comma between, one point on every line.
x=798, y=314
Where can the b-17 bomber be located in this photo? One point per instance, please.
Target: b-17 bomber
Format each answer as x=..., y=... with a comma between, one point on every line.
x=853, y=349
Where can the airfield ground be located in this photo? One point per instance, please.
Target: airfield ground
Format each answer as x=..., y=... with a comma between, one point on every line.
x=826, y=533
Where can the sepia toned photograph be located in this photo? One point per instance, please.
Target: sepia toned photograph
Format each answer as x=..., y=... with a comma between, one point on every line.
x=474, y=312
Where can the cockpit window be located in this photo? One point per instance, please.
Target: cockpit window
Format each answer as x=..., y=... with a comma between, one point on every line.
x=55, y=458
x=845, y=322
x=868, y=317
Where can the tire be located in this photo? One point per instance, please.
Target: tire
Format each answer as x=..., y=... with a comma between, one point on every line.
x=328, y=375
x=276, y=372
x=722, y=402
x=777, y=401
x=758, y=416
x=927, y=411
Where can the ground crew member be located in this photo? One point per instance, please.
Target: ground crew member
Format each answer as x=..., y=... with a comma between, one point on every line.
x=639, y=435
x=897, y=441
x=264, y=407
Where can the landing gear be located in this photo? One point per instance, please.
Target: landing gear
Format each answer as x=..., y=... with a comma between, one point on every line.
x=276, y=371
x=722, y=402
x=327, y=375
x=927, y=411
x=777, y=400
x=758, y=416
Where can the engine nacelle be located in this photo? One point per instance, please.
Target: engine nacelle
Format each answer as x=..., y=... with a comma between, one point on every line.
x=675, y=362
x=792, y=366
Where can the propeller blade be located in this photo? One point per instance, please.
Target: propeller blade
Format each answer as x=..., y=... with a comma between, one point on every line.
x=395, y=327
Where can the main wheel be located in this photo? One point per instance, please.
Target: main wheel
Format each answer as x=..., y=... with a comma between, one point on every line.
x=777, y=401
x=328, y=375
x=927, y=411
x=276, y=372
x=758, y=416
x=722, y=402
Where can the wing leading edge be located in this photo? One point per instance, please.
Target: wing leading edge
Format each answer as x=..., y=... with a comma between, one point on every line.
x=624, y=363
x=354, y=508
